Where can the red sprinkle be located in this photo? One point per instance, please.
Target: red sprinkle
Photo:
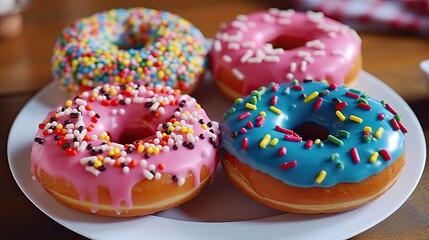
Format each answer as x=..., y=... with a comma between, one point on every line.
x=42, y=126
x=340, y=106
x=385, y=154
x=282, y=151
x=260, y=121
x=283, y=130
x=297, y=87
x=403, y=128
x=249, y=125
x=244, y=143
x=243, y=130
x=352, y=95
x=365, y=106
x=318, y=103
x=333, y=86
x=105, y=102
x=395, y=124
x=273, y=100
x=293, y=138
x=309, y=144
x=287, y=165
x=94, y=119
x=380, y=116
x=243, y=116
x=390, y=108
x=275, y=87
x=355, y=155
x=45, y=132
x=71, y=151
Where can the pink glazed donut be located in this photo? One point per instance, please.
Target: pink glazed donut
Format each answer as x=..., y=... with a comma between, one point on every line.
x=280, y=46
x=125, y=150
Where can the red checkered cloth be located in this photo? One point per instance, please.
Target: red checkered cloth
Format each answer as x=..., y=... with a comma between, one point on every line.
x=405, y=16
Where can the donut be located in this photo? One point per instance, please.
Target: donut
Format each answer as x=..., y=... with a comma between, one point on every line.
x=283, y=45
x=124, y=45
x=125, y=150
x=312, y=147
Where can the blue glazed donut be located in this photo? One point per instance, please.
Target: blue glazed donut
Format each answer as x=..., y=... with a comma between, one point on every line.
x=313, y=137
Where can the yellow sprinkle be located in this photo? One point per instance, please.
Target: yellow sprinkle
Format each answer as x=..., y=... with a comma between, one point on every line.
x=187, y=113
x=184, y=129
x=367, y=129
x=155, y=150
x=317, y=141
x=59, y=126
x=140, y=148
x=340, y=116
x=321, y=177
x=204, y=126
x=97, y=164
x=190, y=130
x=311, y=96
x=373, y=157
x=265, y=141
x=274, y=141
x=100, y=157
x=251, y=106
x=176, y=123
x=111, y=153
x=263, y=113
x=355, y=119
x=198, y=106
x=275, y=110
x=170, y=128
x=149, y=150
x=69, y=103
x=379, y=132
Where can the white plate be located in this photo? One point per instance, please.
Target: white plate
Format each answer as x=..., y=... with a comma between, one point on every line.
x=220, y=211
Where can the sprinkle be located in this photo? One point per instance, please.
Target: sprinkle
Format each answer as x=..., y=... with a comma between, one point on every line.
x=340, y=105
x=390, y=108
x=356, y=119
x=288, y=165
x=364, y=106
x=397, y=117
x=244, y=143
x=274, y=141
x=334, y=156
x=243, y=130
x=283, y=130
x=379, y=132
x=403, y=128
x=265, y=141
x=395, y=124
x=282, y=151
x=273, y=100
x=352, y=95
x=317, y=141
x=318, y=103
x=319, y=179
x=309, y=144
x=293, y=138
x=275, y=110
x=340, y=116
x=262, y=113
x=297, y=87
x=251, y=106
x=312, y=96
x=367, y=138
x=367, y=129
x=243, y=116
x=380, y=116
x=260, y=121
x=333, y=86
x=344, y=133
x=385, y=154
x=355, y=155
x=335, y=140
x=249, y=125
x=374, y=156
x=238, y=74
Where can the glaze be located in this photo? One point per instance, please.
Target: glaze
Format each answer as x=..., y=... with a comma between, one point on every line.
x=247, y=46
x=364, y=136
x=124, y=45
x=80, y=140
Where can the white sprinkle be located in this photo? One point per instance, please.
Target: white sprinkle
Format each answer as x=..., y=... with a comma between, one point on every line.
x=315, y=16
x=114, y=112
x=138, y=100
x=91, y=113
x=268, y=18
x=233, y=46
x=190, y=137
x=143, y=163
x=180, y=181
x=248, y=44
x=293, y=66
x=303, y=54
x=319, y=53
x=274, y=11
x=84, y=161
x=81, y=102
x=287, y=13
x=317, y=44
x=303, y=66
x=238, y=74
x=92, y=170
x=118, y=212
x=126, y=169
x=94, y=137
x=284, y=21
x=82, y=146
x=241, y=25
x=206, y=153
x=255, y=60
x=246, y=56
x=289, y=76
x=272, y=59
x=157, y=175
x=147, y=174
x=69, y=136
x=337, y=52
x=227, y=58
x=121, y=111
x=152, y=167
x=241, y=17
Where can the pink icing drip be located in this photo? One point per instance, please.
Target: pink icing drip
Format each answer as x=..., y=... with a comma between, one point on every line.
x=55, y=162
x=334, y=59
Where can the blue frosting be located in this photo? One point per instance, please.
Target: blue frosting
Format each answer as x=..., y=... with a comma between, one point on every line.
x=329, y=156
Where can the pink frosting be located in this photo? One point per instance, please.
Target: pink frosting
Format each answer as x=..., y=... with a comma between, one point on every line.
x=134, y=109
x=244, y=46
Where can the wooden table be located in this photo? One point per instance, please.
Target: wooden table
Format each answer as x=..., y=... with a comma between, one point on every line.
x=25, y=68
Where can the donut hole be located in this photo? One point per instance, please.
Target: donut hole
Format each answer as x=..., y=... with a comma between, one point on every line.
x=287, y=42
x=130, y=135
x=311, y=131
